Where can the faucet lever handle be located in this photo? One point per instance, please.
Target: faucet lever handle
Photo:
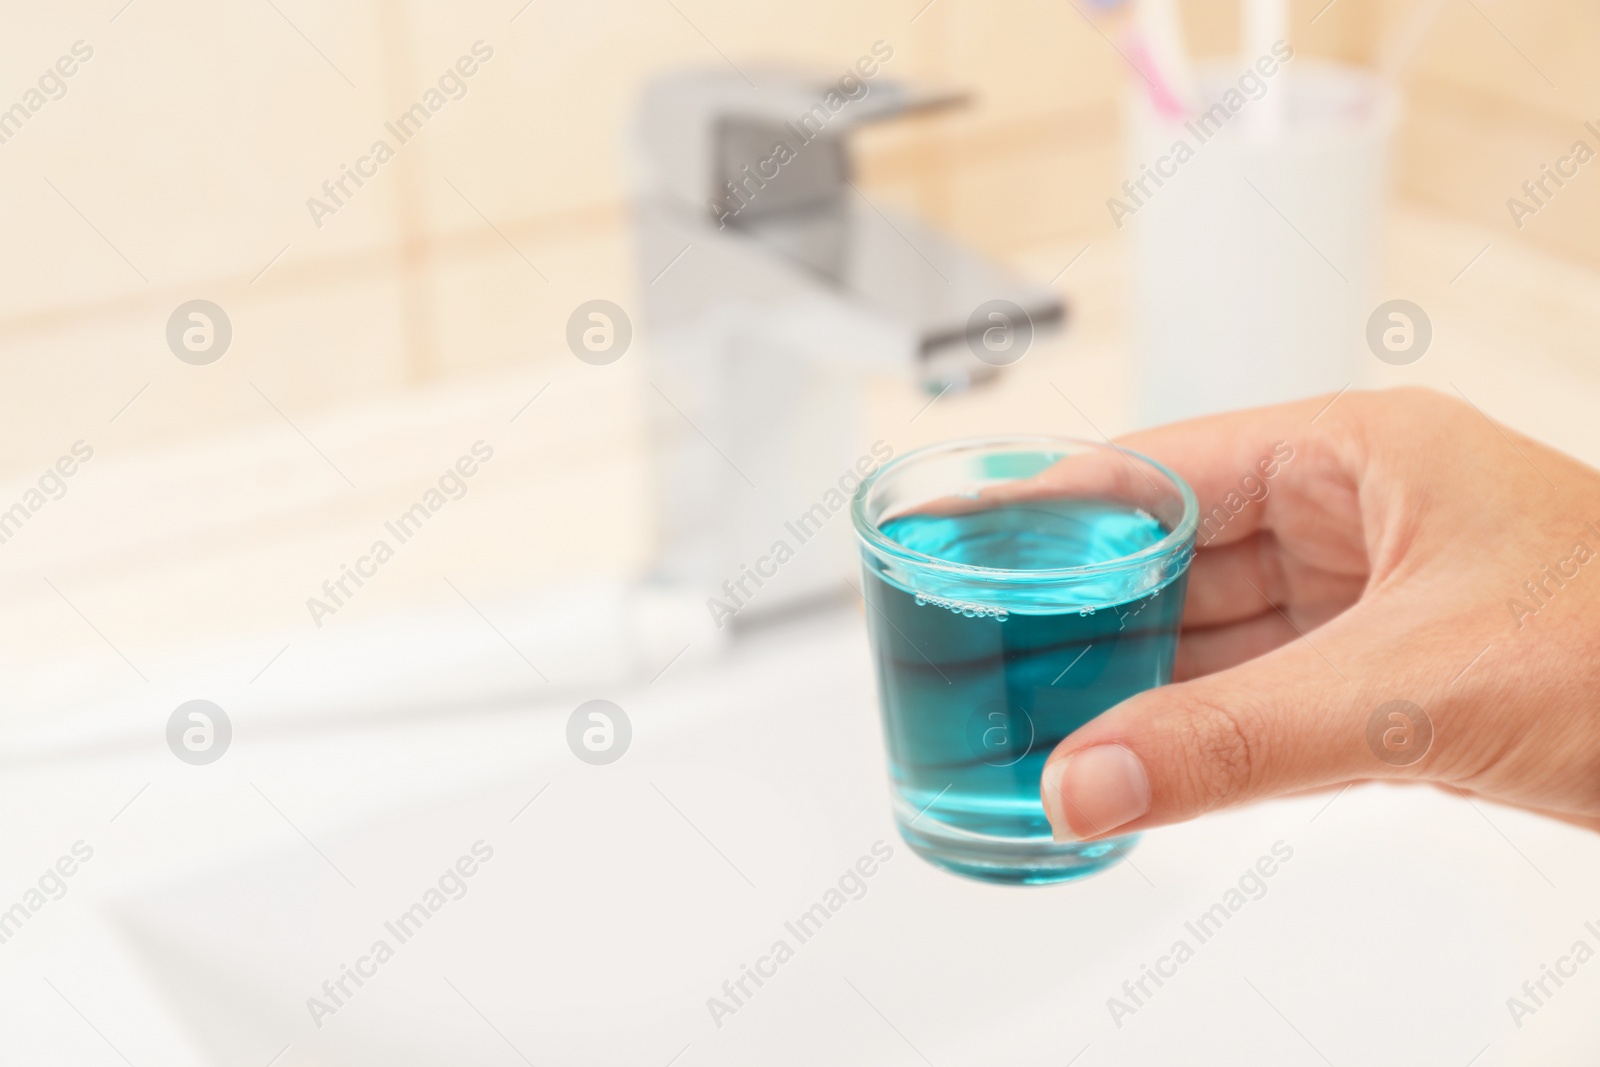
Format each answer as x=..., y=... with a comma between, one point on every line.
x=697, y=131
x=893, y=99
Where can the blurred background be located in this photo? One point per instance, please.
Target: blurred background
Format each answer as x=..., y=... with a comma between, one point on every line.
x=179, y=163
x=376, y=336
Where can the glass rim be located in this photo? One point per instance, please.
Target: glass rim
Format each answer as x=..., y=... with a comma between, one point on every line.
x=874, y=539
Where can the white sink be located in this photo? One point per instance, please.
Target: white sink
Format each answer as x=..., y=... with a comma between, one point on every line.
x=620, y=900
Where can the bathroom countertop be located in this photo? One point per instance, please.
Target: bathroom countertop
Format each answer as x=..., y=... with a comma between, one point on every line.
x=220, y=542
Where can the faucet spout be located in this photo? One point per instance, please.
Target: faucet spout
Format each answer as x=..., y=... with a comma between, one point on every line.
x=792, y=288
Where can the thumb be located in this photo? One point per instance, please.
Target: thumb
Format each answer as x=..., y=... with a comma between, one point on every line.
x=1285, y=722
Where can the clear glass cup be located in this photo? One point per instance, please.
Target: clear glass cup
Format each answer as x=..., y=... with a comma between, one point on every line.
x=1016, y=587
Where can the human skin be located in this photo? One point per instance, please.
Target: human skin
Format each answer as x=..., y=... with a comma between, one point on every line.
x=1381, y=565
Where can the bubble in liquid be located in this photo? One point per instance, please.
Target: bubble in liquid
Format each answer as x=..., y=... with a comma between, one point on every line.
x=969, y=613
x=921, y=600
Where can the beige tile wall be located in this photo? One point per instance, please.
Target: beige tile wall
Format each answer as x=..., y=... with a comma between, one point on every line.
x=179, y=162
x=1485, y=119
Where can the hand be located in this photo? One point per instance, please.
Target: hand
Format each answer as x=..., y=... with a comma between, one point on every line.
x=1407, y=550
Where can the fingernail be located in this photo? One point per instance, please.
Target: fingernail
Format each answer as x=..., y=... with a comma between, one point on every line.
x=1094, y=791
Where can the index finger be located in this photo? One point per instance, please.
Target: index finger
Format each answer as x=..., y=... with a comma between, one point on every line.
x=1229, y=461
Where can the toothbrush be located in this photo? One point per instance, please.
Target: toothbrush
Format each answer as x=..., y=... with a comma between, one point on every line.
x=1165, y=65
x=1151, y=40
x=1264, y=23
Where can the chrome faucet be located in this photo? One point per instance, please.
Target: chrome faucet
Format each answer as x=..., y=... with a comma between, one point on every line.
x=772, y=289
